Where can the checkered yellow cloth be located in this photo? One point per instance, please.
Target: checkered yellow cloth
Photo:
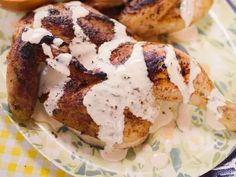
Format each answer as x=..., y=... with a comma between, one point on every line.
x=18, y=158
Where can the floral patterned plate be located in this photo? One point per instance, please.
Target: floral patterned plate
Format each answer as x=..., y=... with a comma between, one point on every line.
x=189, y=145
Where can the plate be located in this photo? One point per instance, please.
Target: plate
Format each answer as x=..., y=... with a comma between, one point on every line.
x=188, y=146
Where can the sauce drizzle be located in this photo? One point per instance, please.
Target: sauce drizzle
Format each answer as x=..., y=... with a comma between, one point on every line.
x=187, y=8
x=174, y=71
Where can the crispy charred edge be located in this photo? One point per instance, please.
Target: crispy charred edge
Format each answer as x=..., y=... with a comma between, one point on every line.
x=135, y=5
x=121, y=54
x=59, y=23
x=155, y=64
x=98, y=27
x=23, y=76
x=78, y=70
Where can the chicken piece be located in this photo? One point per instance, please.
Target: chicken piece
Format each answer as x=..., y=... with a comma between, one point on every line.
x=150, y=18
x=101, y=4
x=24, y=68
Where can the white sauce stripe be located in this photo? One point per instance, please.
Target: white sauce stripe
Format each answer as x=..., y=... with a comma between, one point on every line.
x=109, y=115
x=57, y=42
x=107, y=101
x=61, y=63
x=55, y=94
x=194, y=71
x=187, y=8
x=34, y=36
x=77, y=12
x=52, y=81
x=215, y=101
x=47, y=50
x=40, y=14
x=174, y=71
x=80, y=46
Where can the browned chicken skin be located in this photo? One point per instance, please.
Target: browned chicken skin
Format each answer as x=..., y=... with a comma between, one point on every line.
x=25, y=59
x=148, y=18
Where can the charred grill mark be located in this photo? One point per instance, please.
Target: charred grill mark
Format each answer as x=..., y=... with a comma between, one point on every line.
x=43, y=97
x=76, y=90
x=76, y=68
x=98, y=28
x=79, y=66
x=101, y=75
x=185, y=68
x=58, y=20
x=60, y=25
x=136, y=5
x=102, y=18
x=27, y=51
x=47, y=40
x=73, y=86
x=155, y=64
x=121, y=54
x=53, y=11
x=84, y=84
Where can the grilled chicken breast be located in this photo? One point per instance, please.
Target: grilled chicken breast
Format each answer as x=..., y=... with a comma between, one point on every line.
x=25, y=62
x=148, y=18
x=102, y=4
x=154, y=17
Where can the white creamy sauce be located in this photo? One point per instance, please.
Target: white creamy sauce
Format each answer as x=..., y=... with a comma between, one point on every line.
x=52, y=82
x=34, y=36
x=83, y=51
x=47, y=50
x=57, y=42
x=54, y=79
x=187, y=8
x=194, y=71
x=60, y=63
x=40, y=14
x=215, y=101
x=80, y=46
x=106, y=101
x=174, y=71
x=77, y=12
